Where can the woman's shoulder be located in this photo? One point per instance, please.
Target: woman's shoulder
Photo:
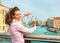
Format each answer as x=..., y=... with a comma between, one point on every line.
x=13, y=23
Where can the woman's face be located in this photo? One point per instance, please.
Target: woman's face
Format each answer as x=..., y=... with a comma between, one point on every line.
x=17, y=15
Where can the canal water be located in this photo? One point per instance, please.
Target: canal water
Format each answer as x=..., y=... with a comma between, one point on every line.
x=43, y=31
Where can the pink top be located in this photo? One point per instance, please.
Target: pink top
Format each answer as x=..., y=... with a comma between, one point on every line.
x=17, y=30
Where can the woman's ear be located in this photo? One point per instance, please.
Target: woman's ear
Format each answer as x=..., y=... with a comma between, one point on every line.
x=13, y=17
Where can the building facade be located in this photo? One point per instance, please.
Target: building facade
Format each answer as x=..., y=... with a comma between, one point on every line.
x=56, y=22
x=3, y=11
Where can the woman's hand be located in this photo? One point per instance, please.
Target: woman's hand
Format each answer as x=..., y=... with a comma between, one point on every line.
x=27, y=14
x=33, y=24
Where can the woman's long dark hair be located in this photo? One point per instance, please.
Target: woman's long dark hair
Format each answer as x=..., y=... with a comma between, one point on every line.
x=10, y=14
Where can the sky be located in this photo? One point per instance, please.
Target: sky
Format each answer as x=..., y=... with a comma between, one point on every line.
x=40, y=9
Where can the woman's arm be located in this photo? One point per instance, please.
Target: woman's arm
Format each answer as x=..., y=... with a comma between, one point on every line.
x=25, y=29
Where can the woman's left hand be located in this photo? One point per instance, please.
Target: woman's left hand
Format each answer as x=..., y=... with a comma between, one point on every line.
x=27, y=14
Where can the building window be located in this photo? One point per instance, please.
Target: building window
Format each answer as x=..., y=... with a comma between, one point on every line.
x=3, y=12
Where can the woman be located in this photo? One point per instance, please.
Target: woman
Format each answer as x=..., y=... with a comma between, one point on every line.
x=13, y=18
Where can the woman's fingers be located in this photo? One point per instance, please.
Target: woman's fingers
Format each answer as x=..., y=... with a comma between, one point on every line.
x=27, y=14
